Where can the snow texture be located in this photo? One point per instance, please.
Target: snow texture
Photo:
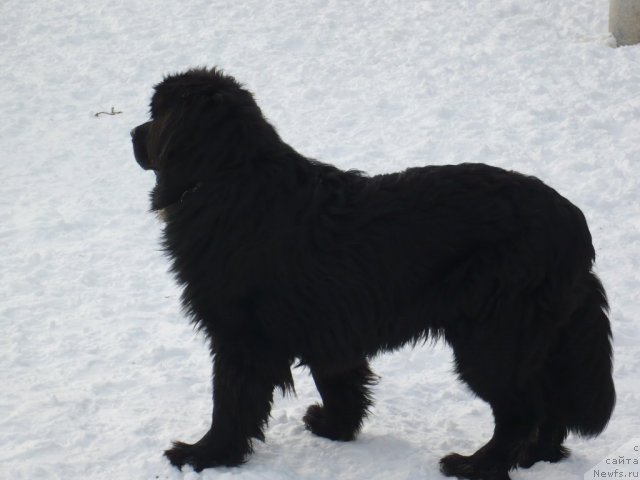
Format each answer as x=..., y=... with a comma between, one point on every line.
x=99, y=368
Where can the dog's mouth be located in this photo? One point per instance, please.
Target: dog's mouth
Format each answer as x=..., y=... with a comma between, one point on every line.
x=141, y=156
x=143, y=163
x=139, y=136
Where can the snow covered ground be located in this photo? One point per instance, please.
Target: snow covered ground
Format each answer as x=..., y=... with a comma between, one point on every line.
x=98, y=368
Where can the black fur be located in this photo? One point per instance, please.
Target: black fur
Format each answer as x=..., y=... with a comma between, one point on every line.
x=286, y=259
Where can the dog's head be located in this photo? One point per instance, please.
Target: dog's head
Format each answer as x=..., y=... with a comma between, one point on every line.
x=202, y=122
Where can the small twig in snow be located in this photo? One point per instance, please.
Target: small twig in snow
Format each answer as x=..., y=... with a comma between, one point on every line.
x=112, y=112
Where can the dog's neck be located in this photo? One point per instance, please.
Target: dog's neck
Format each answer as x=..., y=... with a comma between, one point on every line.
x=164, y=213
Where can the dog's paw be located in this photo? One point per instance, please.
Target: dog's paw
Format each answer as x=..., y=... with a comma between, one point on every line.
x=460, y=466
x=456, y=465
x=320, y=422
x=201, y=456
x=542, y=454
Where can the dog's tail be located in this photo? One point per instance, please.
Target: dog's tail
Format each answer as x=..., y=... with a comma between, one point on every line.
x=585, y=364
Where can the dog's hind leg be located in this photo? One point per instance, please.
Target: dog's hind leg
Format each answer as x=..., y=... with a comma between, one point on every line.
x=346, y=399
x=489, y=359
x=515, y=423
x=546, y=445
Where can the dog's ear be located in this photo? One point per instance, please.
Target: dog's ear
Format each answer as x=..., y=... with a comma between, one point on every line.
x=221, y=98
x=218, y=98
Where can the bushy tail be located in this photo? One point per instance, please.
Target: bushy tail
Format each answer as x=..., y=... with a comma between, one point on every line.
x=585, y=370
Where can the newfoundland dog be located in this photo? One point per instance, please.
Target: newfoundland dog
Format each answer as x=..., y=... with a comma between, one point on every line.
x=285, y=260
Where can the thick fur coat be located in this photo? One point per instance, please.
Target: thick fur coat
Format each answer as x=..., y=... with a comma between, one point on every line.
x=285, y=259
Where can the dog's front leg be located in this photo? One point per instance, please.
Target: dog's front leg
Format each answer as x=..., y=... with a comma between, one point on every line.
x=243, y=384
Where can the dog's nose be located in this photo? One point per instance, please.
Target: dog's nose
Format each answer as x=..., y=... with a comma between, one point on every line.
x=133, y=131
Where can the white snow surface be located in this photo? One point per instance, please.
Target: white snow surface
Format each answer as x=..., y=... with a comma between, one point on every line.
x=100, y=369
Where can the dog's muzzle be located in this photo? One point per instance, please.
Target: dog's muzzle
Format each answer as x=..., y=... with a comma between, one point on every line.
x=139, y=136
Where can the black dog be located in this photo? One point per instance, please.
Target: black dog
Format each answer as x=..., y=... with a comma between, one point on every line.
x=286, y=259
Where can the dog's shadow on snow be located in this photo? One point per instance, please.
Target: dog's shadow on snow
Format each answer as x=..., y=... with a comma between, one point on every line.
x=376, y=455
